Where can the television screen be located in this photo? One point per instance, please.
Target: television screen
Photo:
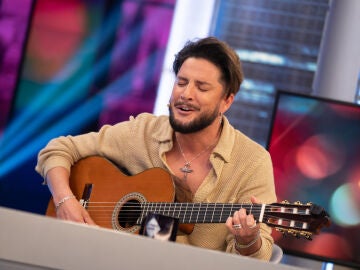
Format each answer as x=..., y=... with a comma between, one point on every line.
x=315, y=148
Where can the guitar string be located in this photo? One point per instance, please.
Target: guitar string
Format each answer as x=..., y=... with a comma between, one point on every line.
x=198, y=211
x=285, y=221
x=200, y=216
x=271, y=221
x=193, y=207
x=212, y=207
x=136, y=214
x=203, y=204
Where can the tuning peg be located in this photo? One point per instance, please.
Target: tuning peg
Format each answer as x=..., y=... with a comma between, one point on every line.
x=298, y=203
x=296, y=233
x=307, y=235
x=282, y=231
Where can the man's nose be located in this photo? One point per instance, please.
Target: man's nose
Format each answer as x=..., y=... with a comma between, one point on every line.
x=188, y=91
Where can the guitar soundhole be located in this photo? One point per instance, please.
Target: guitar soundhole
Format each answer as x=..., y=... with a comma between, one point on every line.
x=129, y=214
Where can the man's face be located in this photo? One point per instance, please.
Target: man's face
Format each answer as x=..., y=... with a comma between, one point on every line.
x=197, y=97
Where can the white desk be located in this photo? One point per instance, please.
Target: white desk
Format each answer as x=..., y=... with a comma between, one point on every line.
x=30, y=241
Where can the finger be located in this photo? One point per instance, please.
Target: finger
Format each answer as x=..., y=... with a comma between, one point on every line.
x=254, y=199
x=236, y=216
x=250, y=221
x=229, y=224
x=86, y=217
x=242, y=215
x=88, y=220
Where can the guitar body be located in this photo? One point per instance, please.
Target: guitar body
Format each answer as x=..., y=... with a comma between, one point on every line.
x=110, y=185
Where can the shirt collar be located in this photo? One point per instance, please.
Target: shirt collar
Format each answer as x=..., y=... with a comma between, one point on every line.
x=164, y=133
x=226, y=141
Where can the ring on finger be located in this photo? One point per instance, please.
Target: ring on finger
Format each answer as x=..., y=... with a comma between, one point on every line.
x=237, y=226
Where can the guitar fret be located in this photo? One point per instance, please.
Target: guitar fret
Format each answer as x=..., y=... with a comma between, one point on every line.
x=212, y=216
x=197, y=216
x=205, y=212
x=191, y=212
x=227, y=211
x=151, y=207
x=169, y=210
x=160, y=208
x=222, y=211
x=174, y=210
x=188, y=213
x=179, y=211
x=157, y=208
x=185, y=213
x=166, y=208
x=202, y=212
x=142, y=213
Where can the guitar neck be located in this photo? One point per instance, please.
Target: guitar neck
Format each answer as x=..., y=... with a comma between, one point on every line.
x=202, y=212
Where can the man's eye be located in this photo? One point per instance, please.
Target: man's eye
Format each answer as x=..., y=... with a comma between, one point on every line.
x=181, y=83
x=203, y=88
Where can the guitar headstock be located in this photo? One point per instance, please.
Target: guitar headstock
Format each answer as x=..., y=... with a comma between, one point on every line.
x=296, y=219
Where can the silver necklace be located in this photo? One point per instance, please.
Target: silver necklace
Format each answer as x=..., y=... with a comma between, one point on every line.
x=186, y=169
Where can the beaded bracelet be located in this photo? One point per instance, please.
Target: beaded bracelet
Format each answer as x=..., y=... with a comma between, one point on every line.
x=240, y=246
x=64, y=200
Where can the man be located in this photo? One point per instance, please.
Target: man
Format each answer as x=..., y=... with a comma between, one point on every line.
x=207, y=158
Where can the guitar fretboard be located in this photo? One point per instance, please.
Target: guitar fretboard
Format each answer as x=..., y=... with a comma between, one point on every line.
x=201, y=212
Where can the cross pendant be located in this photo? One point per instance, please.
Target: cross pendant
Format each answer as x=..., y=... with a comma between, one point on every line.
x=186, y=169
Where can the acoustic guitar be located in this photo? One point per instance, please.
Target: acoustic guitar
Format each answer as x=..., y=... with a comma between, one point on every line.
x=117, y=201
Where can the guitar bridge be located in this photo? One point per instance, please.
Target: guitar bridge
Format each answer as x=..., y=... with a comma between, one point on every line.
x=86, y=195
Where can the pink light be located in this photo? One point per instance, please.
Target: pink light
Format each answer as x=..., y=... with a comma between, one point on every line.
x=319, y=157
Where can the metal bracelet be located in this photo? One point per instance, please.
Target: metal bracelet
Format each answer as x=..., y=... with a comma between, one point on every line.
x=240, y=246
x=64, y=200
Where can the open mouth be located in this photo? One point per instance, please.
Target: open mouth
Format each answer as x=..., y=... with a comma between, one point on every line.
x=185, y=107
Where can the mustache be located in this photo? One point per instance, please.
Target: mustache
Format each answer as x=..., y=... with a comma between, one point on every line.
x=185, y=104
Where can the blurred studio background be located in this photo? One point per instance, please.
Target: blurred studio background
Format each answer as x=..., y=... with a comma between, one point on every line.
x=70, y=66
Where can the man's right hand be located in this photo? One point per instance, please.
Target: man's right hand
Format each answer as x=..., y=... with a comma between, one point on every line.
x=68, y=207
x=72, y=210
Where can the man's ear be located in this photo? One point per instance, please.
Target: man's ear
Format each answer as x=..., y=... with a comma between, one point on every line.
x=227, y=102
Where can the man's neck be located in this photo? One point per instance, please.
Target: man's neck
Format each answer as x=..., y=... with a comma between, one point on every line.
x=197, y=141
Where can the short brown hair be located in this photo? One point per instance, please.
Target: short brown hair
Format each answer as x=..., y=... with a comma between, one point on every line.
x=220, y=54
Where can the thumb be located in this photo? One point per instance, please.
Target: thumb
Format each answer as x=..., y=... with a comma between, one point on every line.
x=254, y=199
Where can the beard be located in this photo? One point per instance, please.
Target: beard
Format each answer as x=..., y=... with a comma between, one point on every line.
x=199, y=123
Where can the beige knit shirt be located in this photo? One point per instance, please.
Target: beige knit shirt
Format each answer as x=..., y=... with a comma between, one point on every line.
x=241, y=168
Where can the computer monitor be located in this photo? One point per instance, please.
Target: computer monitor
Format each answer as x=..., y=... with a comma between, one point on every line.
x=314, y=144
